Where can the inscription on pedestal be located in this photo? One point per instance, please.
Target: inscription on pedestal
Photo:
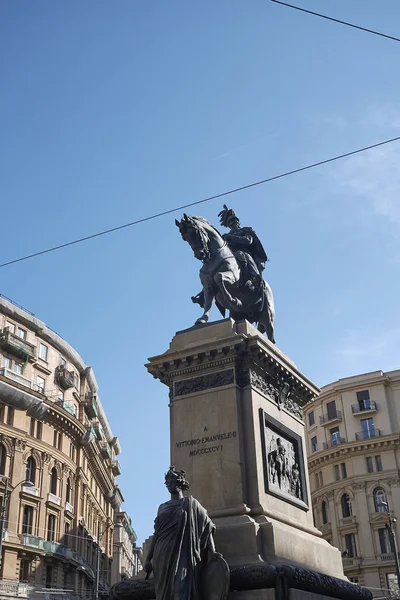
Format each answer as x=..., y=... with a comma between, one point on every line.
x=284, y=473
x=200, y=446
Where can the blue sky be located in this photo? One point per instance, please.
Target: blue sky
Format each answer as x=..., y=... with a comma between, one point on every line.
x=111, y=111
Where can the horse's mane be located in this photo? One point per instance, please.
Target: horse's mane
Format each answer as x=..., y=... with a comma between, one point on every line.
x=202, y=221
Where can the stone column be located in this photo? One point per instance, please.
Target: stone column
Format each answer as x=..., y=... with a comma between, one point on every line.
x=361, y=513
x=334, y=519
x=236, y=429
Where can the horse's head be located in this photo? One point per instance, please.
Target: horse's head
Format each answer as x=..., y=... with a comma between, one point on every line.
x=195, y=235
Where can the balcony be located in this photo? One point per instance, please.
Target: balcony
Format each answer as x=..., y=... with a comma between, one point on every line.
x=14, y=589
x=16, y=377
x=64, y=378
x=89, y=436
x=68, y=406
x=366, y=435
x=16, y=345
x=333, y=443
x=69, y=508
x=116, y=467
x=331, y=417
x=32, y=540
x=363, y=407
x=353, y=562
x=55, y=548
x=30, y=489
x=98, y=430
x=386, y=557
x=91, y=407
x=105, y=450
x=54, y=499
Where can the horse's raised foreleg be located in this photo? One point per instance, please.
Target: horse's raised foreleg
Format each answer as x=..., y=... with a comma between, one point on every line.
x=208, y=291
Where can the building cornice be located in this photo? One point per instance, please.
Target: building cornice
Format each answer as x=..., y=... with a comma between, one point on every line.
x=354, y=448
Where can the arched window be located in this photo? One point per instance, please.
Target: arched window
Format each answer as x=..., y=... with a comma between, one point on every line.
x=324, y=511
x=51, y=528
x=347, y=510
x=68, y=491
x=2, y=459
x=379, y=500
x=30, y=473
x=53, y=481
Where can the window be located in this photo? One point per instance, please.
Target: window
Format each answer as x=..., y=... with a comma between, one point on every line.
x=337, y=472
x=27, y=520
x=392, y=584
x=10, y=416
x=347, y=510
x=68, y=491
x=63, y=362
x=379, y=500
x=311, y=418
x=335, y=434
x=321, y=479
x=49, y=575
x=43, y=351
x=60, y=441
x=30, y=473
x=60, y=395
x=344, y=470
x=53, y=481
x=40, y=384
x=331, y=409
x=18, y=368
x=385, y=541
x=24, y=570
x=370, y=464
x=378, y=463
x=32, y=427
x=350, y=543
x=51, y=528
x=353, y=579
x=2, y=459
x=6, y=362
x=21, y=333
x=10, y=326
x=367, y=428
x=39, y=430
x=72, y=452
x=363, y=400
x=314, y=444
x=324, y=512
x=67, y=532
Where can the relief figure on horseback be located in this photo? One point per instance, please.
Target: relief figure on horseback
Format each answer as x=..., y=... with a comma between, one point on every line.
x=232, y=270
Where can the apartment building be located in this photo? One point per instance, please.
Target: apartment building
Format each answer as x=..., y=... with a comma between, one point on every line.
x=353, y=437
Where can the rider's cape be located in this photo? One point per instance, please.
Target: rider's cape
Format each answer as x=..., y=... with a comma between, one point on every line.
x=256, y=249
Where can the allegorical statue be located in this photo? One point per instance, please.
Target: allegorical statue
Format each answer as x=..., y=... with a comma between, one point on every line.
x=182, y=553
x=232, y=269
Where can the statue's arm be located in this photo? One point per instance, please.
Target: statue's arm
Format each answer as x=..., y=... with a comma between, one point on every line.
x=239, y=240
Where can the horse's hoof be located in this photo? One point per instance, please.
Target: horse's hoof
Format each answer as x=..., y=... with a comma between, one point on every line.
x=201, y=321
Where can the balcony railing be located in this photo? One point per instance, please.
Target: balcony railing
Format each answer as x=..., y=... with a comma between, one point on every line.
x=30, y=489
x=89, y=436
x=91, y=407
x=386, y=557
x=16, y=377
x=105, y=450
x=367, y=405
x=68, y=406
x=69, y=508
x=55, y=548
x=54, y=499
x=116, y=467
x=16, y=345
x=98, y=430
x=366, y=435
x=65, y=378
x=32, y=540
x=354, y=561
x=13, y=588
x=333, y=443
x=330, y=417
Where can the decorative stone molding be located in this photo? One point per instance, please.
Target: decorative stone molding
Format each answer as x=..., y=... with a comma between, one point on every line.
x=203, y=382
x=19, y=445
x=359, y=486
x=394, y=482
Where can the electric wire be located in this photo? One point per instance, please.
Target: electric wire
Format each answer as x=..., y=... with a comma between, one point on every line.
x=202, y=201
x=311, y=12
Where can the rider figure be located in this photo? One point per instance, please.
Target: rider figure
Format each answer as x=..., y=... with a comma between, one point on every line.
x=246, y=247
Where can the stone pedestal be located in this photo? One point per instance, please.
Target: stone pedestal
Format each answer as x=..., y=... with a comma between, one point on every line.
x=236, y=429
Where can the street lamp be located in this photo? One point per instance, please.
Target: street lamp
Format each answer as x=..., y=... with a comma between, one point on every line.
x=3, y=513
x=392, y=520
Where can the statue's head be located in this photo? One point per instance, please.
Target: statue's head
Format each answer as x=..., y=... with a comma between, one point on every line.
x=228, y=218
x=176, y=480
x=192, y=232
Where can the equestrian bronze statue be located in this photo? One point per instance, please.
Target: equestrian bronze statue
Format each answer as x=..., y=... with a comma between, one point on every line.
x=232, y=269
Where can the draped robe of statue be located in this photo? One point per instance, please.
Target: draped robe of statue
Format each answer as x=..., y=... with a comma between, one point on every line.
x=182, y=531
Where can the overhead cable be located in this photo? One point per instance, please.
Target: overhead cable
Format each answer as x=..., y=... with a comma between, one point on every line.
x=197, y=202
x=311, y=12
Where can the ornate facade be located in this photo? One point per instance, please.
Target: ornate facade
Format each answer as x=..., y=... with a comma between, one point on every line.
x=353, y=437
x=58, y=458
